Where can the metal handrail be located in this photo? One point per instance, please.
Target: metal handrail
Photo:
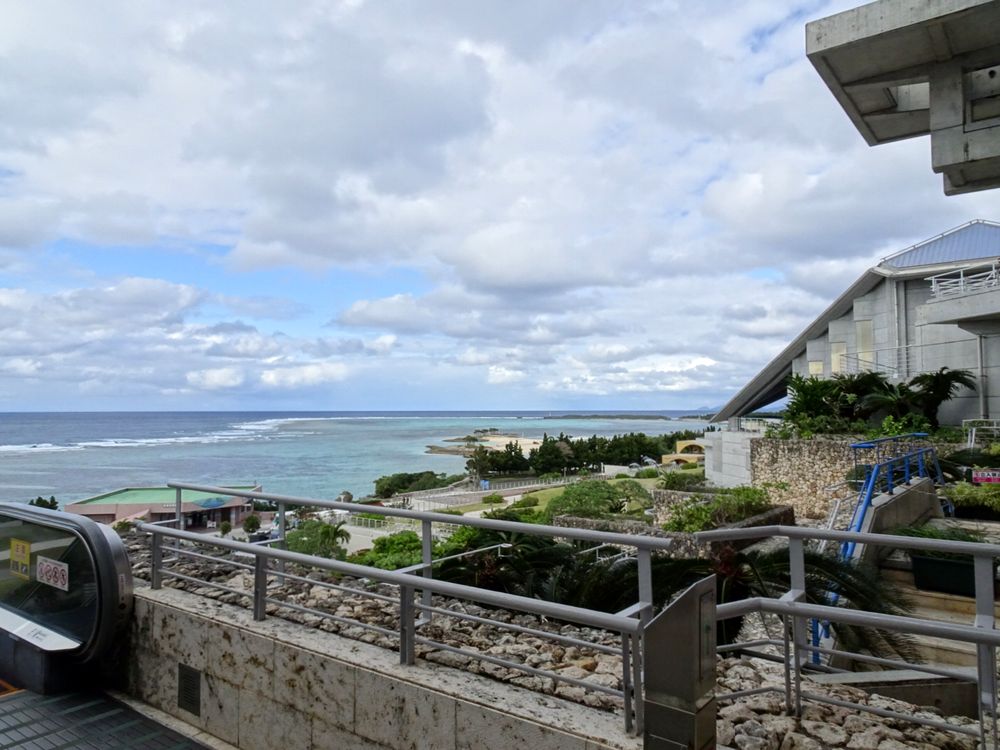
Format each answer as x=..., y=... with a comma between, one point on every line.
x=534, y=529
x=961, y=282
x=627, y=624
x=982, y=632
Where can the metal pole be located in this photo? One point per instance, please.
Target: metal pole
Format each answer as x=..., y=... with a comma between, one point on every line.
x=644, y=561
x=627, y=693
x=427, y=551
x=406, y=634
x=986, y=655
x=281, y=537
x=259, y=587
x=155, y=576
x=984, y=402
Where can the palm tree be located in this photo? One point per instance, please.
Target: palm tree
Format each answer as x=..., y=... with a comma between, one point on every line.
x=934, y=388
x=851, y=389
x=898, y=399
x=332, y=537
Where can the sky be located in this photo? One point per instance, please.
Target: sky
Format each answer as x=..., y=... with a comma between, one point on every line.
x=351, y=204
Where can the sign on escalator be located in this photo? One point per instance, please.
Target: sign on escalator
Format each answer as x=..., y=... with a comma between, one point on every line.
x=20, y=559
x=52, y=573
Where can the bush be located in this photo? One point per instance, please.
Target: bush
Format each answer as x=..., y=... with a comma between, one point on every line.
x=964, y=494
x=224, y=528
x=685, y=481
x=251, y=524
x=493, y=498
x=700, y=513
x=528, y=501
x=590, y=499
x=951, y=533
x=122, y=527
x=393, y=551
x=648, y=473
x=689, y=467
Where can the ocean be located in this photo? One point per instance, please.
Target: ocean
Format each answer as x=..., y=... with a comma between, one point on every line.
x=77, y=455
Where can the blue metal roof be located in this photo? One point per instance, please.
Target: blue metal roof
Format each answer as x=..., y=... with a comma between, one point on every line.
x=973, y=241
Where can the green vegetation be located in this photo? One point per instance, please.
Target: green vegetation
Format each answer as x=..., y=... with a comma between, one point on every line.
x=540, y=567
x=853, y=403
x=562, y=453
x=251, y=524
x=965, y=494
x=493, y=498
x=395, y=484
x=314, y=537
x=393, y=551
x=225, y=528
x=950, y=533
x=701, y=512
x=41, y=502
x=685, y=481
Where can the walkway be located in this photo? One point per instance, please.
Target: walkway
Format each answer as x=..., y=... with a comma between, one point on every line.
x=80, y=721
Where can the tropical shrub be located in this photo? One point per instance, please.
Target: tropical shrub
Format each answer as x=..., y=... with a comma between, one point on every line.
x=700, y=513
x=964, y=494
x=493, y=499
x=318, y=538
x=589, y=499
x=251, y=524
x=684, y=481
x=224, y=528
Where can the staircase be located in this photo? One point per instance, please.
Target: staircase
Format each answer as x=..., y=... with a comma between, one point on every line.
x=934, y=605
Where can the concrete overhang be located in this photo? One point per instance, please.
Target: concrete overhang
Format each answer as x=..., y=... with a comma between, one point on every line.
x=902, y=69
x=977, y=313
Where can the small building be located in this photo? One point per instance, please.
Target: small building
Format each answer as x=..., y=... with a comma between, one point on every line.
x=200, y=510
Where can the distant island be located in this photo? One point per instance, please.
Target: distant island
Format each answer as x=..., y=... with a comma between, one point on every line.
x=608, y=416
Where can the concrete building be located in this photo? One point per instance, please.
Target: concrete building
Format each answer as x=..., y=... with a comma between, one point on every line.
x=201, y=510
x=935, y=304
x=909, y=69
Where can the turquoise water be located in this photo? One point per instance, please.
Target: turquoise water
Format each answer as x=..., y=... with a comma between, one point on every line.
x=79, y=455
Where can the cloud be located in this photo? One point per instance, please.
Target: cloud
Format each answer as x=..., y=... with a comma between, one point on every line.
x=548, y=201
x=221, y=377
x=304, y=375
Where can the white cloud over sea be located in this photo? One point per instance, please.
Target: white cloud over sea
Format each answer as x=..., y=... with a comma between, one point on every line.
x=350, y=204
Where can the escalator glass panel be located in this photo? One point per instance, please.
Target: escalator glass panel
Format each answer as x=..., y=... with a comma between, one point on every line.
x=48, y=576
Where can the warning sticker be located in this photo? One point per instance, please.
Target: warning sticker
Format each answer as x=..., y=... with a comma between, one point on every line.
x=52, y=572
x=20, y=558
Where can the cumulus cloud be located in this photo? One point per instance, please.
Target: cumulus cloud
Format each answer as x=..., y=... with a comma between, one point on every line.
x=552, y=199
x=304, y=375
x=220, y=377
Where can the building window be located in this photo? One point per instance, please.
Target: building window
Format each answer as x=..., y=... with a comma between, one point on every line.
x=865, y=340
x=815, y=367
x=838, y=350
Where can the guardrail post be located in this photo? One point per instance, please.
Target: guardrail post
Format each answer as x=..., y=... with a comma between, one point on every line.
x=986, y=655
x=178, y=506
x=259, y=587
x=678, y=695
x=644, y=561
x=800, y=626
x=155, y=575
x=406, y=626
x=281, y=536
x=427, y=557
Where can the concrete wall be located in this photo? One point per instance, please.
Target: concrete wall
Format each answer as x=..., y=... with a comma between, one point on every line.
x=727, y=457
x=275, y=684
x=804, y=469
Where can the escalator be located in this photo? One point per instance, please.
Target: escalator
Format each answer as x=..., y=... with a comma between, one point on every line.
x=65, y=604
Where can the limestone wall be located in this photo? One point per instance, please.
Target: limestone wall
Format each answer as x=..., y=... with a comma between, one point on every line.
x=275, y=684
x=807, y=467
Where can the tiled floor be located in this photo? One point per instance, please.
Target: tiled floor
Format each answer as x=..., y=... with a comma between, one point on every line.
x=89, y=722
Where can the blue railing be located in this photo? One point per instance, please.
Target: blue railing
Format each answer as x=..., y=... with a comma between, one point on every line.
x=887, y=463
x=897, y=460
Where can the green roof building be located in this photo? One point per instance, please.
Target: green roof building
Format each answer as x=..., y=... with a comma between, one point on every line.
x=203, y=510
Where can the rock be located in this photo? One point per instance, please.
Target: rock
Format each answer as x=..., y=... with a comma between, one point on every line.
x=796, y=741
x=830, y=735
x=724, y=731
